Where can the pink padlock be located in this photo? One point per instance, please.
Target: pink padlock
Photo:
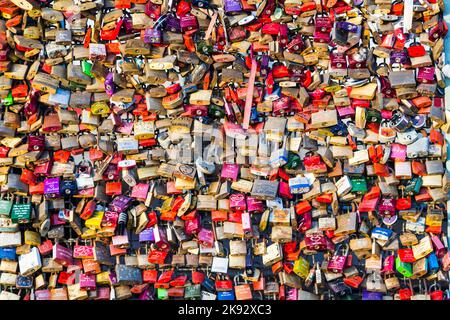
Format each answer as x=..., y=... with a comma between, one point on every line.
x=206, y=237
x=323, y=24
x=43, y=294
x=140, y=191
x=87, y=281
x=230, y=171
x=446, y=262
x=254, y=205
x=109, y=219
x=321, y=37
x=398, y=152
x=386, y=114
x=388, y=265
x=425, y=74
x=237, y=201
x=103, y=293
x=192, y=226
x=247, y=224
x=292, y=294
x=338, y=260
x=284, y=191
x=439, y=247
x=56, y=221
x=387, y=207
x=347, y=111
x=281, y=106
x=83, y=252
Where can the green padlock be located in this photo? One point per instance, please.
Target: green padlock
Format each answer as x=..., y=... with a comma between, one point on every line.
x=192, y=292
x=8, y=100
x=21, y=213
x=204, y=48
x=301, y=267
x=413, y=186
x=404, y=268
x=216, y=112
x=5, y=207
x=73, y=86
x=359, y=185
x=293, y=161
x=373, y=116
x=162, y=294
x=86, y=67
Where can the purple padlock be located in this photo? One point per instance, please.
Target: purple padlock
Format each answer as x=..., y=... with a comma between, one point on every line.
x=160, y=239
x=62, y=255
x=153, y=36
x=264, y=65
x=120, y=203
x=103, y=293
x=369, y=295
x=112, y=172
x=172, y=24
x=112, y=277
x=128, y=24
x=145, y=295
x=109, y=84
x=350, y=27
x=146, y=235
x=51, y=187
x=232, y=6
x=399, y=56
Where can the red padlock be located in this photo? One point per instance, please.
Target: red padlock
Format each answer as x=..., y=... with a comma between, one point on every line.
x=198, y=277
x=150, y=276
x=353, y=281
x=437, y=293
x=88, y=210
x=302, y=207
x=405, y=294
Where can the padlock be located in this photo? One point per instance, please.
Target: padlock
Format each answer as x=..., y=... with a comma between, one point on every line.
x=338, y=260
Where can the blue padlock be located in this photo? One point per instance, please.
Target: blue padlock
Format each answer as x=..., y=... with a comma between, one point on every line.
x=8, y=253
x=225, y=295
x=339, y=130
x=209, y=284
x=433, y=263
x=382, y=234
